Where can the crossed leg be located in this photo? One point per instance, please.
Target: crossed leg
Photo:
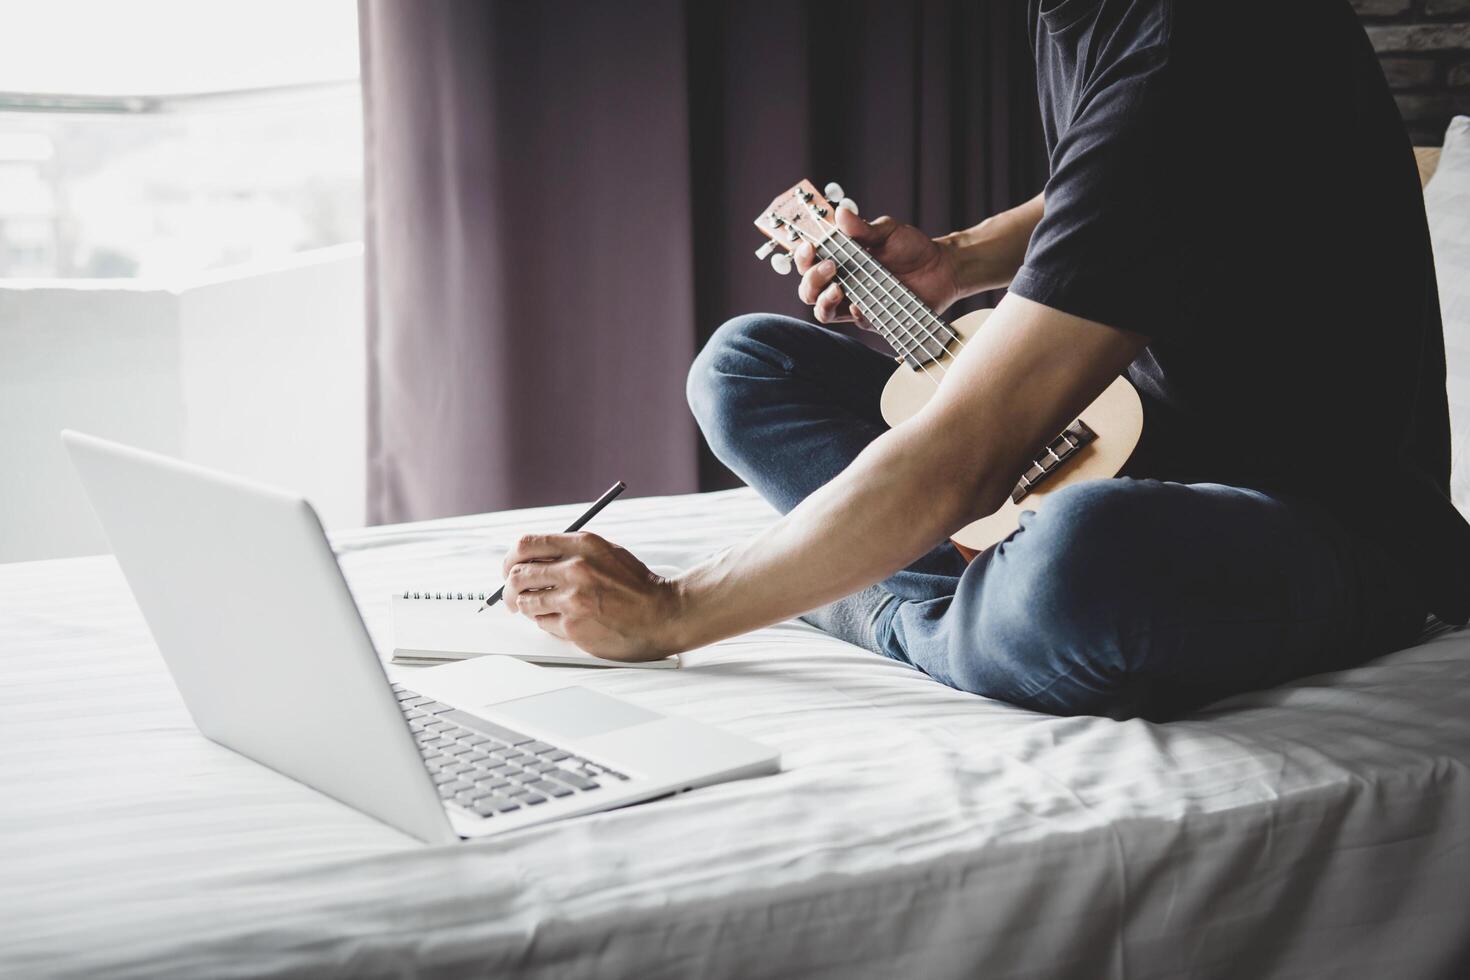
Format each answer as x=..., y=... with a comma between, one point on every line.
x=1119, y=598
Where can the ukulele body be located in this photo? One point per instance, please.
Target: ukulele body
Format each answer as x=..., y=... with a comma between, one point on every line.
x=1116, y=418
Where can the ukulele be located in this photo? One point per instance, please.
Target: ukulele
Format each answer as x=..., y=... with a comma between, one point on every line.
x=1095, y=446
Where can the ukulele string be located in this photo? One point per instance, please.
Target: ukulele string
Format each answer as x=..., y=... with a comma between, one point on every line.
x=956, y=339
x=926, y=334
x=862, y=257
x=859, y=254
x=848, y=280
x=921, y=329
x=854, y=282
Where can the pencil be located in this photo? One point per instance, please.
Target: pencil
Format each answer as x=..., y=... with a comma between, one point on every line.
x=577, y=525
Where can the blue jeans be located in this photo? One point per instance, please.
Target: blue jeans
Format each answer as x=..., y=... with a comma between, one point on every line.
x=1124, y=598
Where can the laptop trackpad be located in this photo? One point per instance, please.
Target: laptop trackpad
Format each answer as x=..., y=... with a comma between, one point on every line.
x=573, y=712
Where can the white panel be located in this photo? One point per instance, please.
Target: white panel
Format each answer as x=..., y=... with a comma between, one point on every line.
x=260, y=373
x=274, y=380
x=104, y=361
x=1447, y=204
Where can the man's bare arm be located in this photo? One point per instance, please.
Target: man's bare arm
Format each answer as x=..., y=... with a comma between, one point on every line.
x=988, y=255
x=1019, y=381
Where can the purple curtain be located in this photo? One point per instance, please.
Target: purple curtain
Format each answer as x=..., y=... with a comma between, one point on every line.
x=560, y=197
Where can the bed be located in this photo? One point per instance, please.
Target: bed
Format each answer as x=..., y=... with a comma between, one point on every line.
x=1318, y=829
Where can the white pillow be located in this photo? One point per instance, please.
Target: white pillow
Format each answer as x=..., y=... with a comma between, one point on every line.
x=1447, y=202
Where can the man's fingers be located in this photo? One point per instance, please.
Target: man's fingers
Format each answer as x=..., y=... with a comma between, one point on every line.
x=537, y=603
x=548, y=547
x=552, y=623
x=829, y=305
x=861, y=231
x=815, y=280
x=537, y=586
x=537, y=574
x=852, y=225
x=805, y=256
x=531, y=547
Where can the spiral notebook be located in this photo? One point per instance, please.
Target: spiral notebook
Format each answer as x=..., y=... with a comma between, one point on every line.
x=439, y=627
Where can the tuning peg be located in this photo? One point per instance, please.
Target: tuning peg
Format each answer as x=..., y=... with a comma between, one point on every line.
x=781, y=262
x=848, y=204
x=833, y=192
x=764, y=252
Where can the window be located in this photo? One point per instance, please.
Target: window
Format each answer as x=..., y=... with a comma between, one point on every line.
x=163, y=138
x=143, y=143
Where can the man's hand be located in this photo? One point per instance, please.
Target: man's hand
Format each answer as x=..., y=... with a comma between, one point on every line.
x=938, y=270
x=594, y=593
x=926, y=266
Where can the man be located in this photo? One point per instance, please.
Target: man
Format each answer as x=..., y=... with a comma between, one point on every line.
x=1233, y=217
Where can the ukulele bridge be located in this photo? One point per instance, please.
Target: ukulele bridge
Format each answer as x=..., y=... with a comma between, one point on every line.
x=1057, y=452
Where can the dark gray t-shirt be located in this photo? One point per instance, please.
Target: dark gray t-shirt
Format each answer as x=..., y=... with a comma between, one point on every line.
x=1233, y=180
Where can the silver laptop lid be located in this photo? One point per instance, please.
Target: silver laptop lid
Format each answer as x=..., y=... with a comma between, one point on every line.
x=248, y=607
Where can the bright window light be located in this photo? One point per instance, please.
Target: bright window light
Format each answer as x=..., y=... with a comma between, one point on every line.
x=160, y=138
x=174, y=47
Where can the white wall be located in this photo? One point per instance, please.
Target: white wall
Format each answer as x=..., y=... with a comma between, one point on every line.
x=100, y=360
x=259, y=371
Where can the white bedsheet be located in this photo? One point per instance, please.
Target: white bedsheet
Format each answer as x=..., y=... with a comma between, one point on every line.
x=1321, y=829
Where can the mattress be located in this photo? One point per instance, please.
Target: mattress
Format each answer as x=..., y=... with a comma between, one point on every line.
x=914, y=831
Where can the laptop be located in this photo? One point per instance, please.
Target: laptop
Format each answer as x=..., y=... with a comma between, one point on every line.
x=254, y=620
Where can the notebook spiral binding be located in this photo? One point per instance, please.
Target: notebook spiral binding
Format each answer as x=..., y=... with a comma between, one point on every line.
x=477, y=596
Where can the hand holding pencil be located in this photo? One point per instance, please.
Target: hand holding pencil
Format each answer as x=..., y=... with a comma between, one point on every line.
x=577, y=525
x=581, y=587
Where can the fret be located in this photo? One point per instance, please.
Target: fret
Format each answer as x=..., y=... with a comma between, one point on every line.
x=910, y=327
x=1054, y=454
x=909, y=303
x=917, y=335
x=861, y=290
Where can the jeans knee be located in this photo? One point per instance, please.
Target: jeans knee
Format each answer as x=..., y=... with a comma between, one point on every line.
x=708, y=387
x=1091, y=523
x=722, y=378
x=1062, y=612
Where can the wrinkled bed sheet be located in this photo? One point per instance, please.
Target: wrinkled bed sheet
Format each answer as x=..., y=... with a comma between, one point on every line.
x=1319, y=829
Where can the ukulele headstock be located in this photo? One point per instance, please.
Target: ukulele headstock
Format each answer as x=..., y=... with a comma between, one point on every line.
x=801, y=213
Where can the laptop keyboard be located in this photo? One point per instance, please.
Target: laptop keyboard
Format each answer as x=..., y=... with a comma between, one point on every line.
x=485, y=768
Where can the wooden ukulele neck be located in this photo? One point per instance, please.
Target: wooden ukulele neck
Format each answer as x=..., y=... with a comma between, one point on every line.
x=914, y=331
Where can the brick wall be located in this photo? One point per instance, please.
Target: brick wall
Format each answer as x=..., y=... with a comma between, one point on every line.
x=1425, y=49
